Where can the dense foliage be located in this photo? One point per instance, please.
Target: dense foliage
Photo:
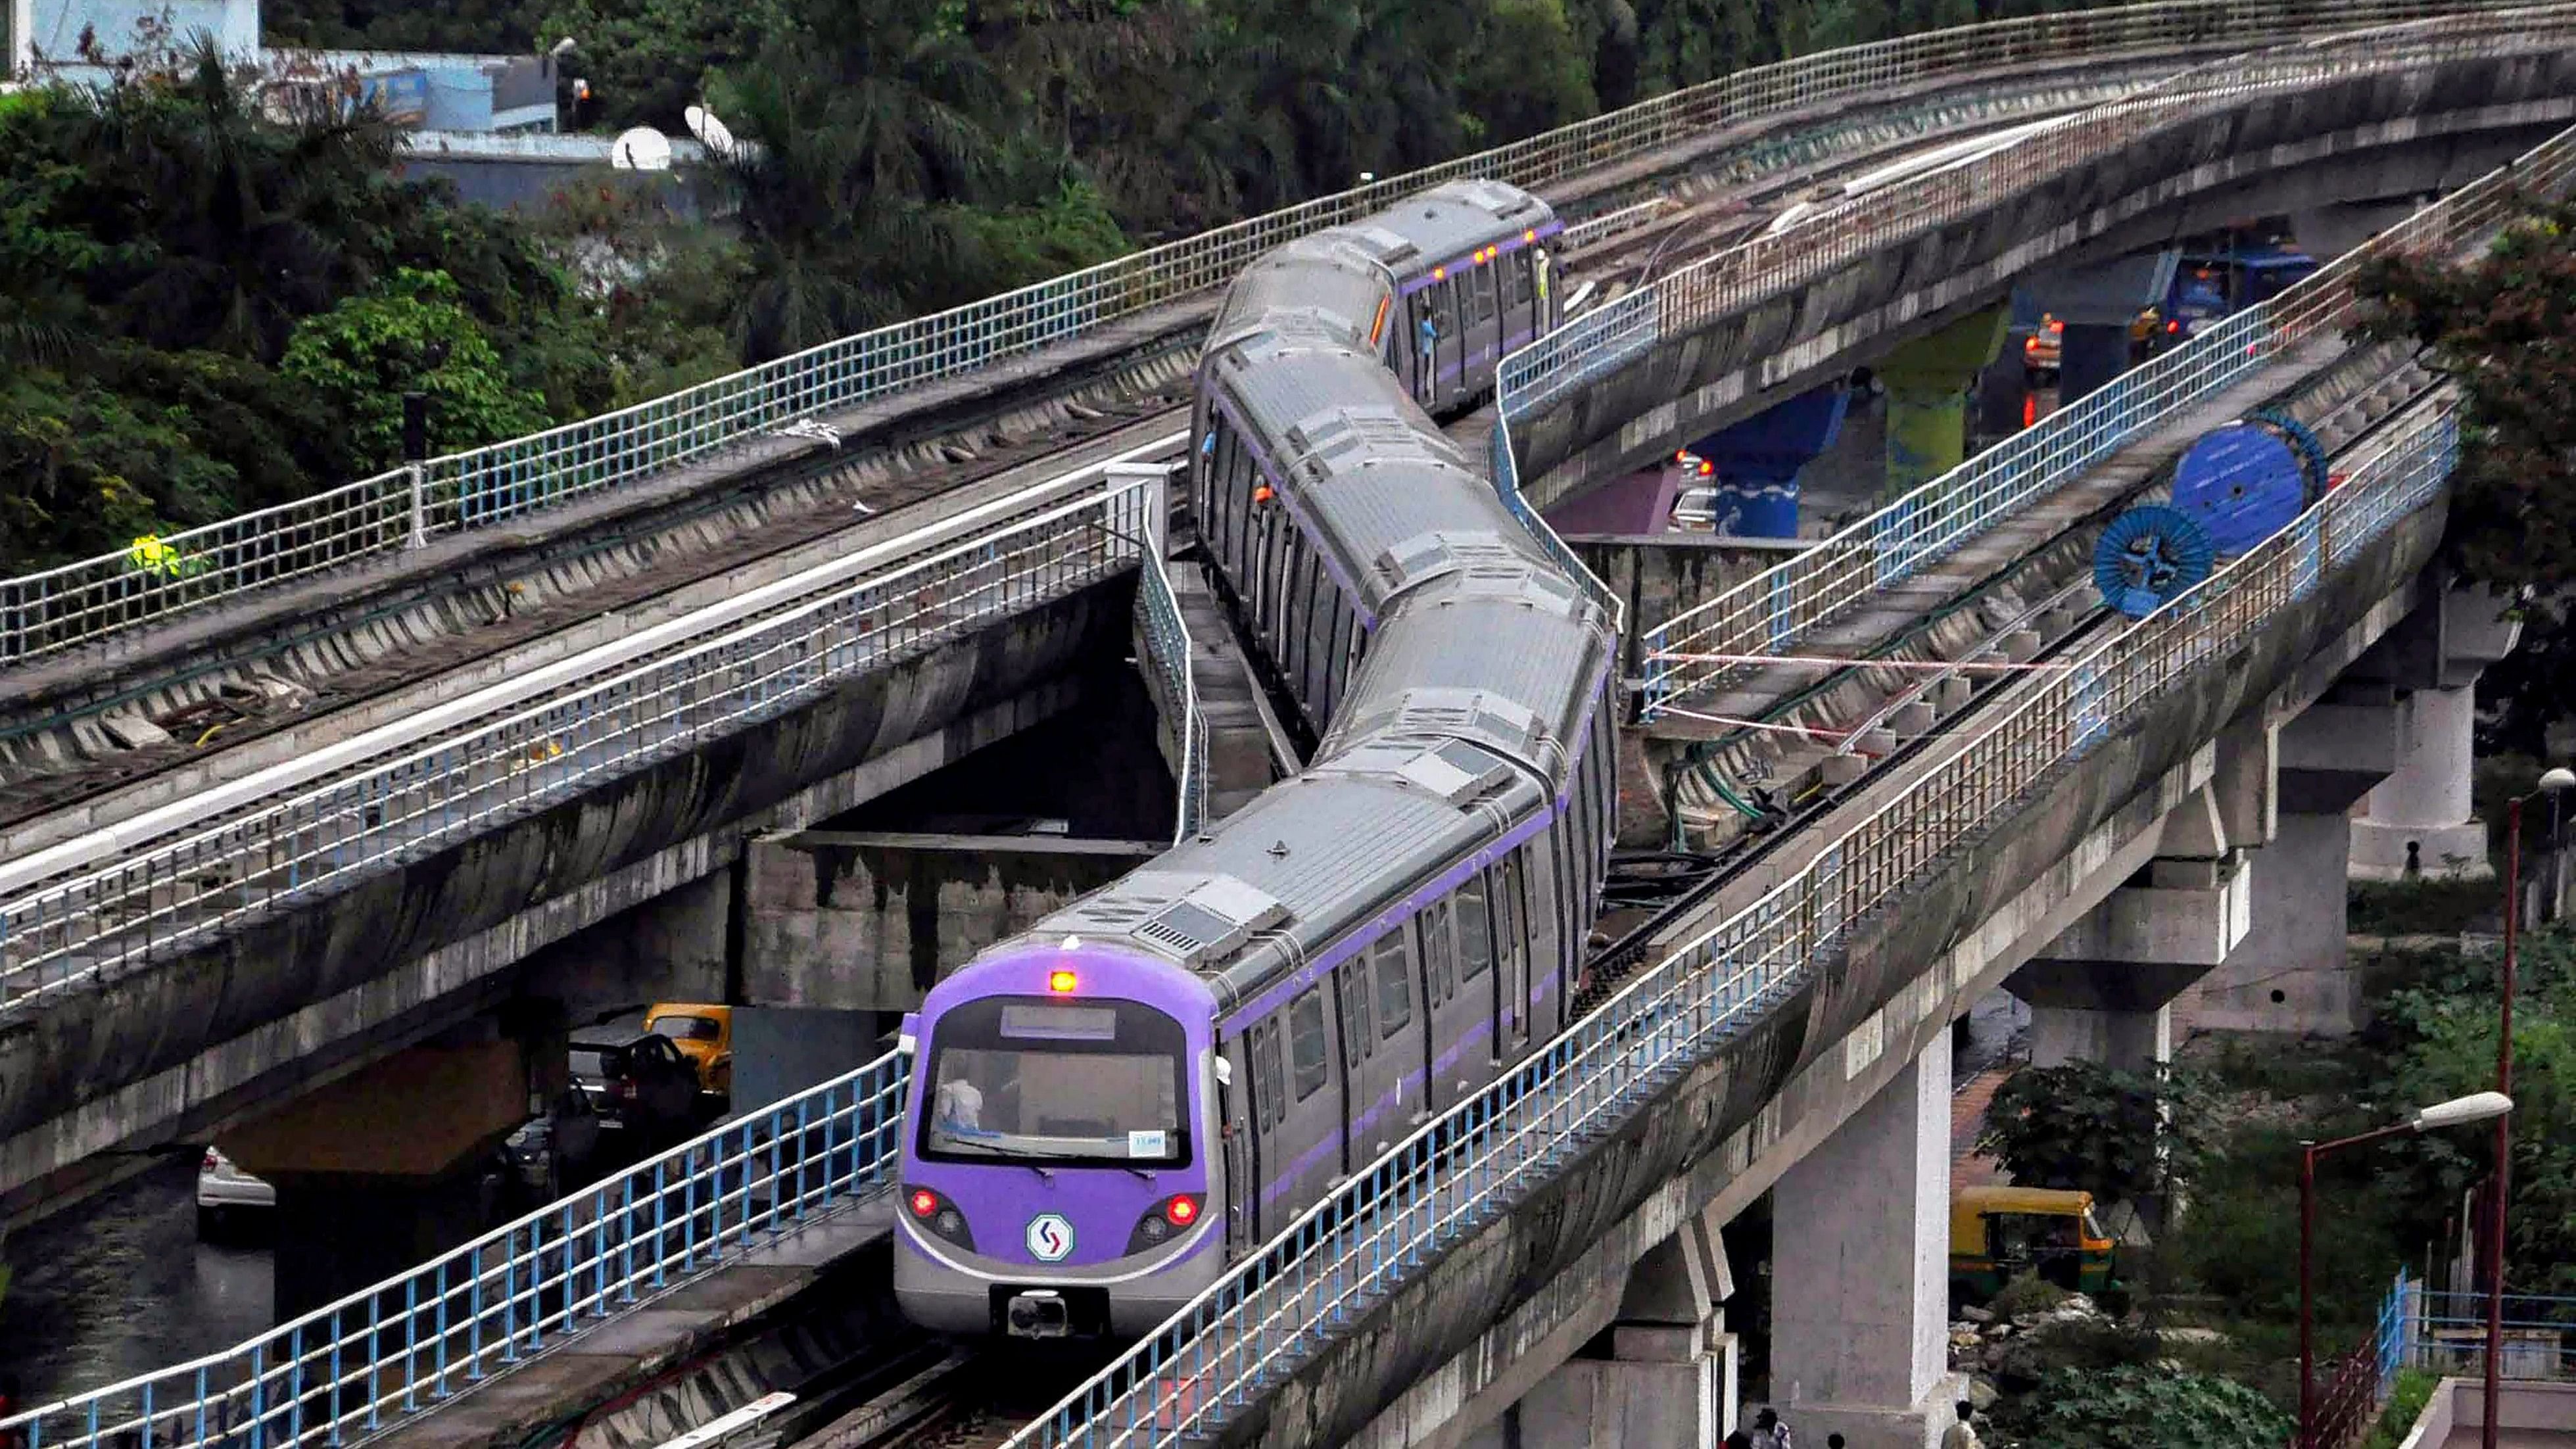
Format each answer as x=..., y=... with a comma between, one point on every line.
x=193, y=295
x=205, y=308
x=2499, y=324
x=2437, y=1032
x=2118, y=1135
x=2135, y=1407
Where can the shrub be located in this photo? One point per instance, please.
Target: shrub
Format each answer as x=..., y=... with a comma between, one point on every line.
x=2141, y=1408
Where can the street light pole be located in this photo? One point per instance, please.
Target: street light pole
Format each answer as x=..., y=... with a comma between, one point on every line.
x=2477, y=1107
x=2552, y=784
x=2503, y=1127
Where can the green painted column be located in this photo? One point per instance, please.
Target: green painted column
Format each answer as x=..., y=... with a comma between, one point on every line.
x=1927, y=397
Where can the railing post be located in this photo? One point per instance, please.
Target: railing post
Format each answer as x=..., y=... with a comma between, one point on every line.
x=419, y=533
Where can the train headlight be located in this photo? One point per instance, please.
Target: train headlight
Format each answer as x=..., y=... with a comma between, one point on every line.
x=1165, y=1221
x=934, y=1211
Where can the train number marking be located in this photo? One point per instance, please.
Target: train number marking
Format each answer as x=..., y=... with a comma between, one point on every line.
x=1050, y=1237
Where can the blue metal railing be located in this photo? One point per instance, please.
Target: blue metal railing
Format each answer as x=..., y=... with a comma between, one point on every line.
x=1277, y=1310
x=411, y=1343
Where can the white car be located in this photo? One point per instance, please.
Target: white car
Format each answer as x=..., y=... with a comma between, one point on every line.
x=224, y=1190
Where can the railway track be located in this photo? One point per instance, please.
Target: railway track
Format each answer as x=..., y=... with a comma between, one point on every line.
x=42, y=810
x=2071, y=620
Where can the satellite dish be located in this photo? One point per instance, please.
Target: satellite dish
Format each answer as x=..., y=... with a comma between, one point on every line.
x=641, y=149
x=711, y=133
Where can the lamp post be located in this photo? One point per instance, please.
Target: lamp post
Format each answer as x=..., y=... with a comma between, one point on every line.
x=2553, y=784
x=2459, y=1111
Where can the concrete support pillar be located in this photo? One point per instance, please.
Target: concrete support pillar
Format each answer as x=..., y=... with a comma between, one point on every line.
x=2125, y=1041
x=1757, y=461
x=2102, y=991
x=1669, y=1375
x=2090, y=355
x=2292, y=971
x=1927, y=397
x=2417, y=822
x=383, y=1169
x=1860, y=1238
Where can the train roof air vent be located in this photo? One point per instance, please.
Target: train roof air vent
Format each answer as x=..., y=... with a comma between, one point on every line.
x=1213, y=920
x=1392, y=248
x=1456, y=772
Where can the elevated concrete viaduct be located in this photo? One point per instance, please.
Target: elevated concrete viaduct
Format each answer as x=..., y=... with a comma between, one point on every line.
x=488, y=586
x=198, y=1041
x=1490, y=1322
x=2362, y=138
x=218, y=1032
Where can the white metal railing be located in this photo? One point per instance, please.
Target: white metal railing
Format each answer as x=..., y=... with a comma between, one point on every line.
x=100, y=598
x=408, y=1345
x=1764, y=614
x=1167, y=649
x=423, y=794
x=1276, y=1310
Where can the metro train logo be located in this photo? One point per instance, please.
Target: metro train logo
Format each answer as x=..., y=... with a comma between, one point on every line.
x=1050, y=1237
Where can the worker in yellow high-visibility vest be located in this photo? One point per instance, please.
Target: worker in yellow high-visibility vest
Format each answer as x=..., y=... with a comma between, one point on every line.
x=150, y=555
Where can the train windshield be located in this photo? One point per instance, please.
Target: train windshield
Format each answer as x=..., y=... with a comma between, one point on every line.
x=1029, y=1079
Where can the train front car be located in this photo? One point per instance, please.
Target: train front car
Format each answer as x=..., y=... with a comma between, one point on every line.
x=1060, y=1160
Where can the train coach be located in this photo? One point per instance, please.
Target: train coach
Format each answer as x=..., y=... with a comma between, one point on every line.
x=1109, y=1109
x=1298, y=503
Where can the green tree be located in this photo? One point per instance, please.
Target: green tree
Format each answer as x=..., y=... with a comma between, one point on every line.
x=2117, y=1135
x=411, y=335
x=2439, y=1033
x=2497, y=325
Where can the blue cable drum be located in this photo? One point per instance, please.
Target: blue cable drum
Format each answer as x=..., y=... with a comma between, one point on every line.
x=2312, y=449
x=2150, y=555
x=2243, y=483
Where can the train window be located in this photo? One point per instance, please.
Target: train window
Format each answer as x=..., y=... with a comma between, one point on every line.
x=1308, y=1053
x=1394, y=984
x=1324, y=608
x=1357, y=1040
x=1432, y=940
x=1267, y=1081
x=1475, y=947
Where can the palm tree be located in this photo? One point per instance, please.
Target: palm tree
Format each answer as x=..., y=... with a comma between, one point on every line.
x=868, y=136
x=239, y=231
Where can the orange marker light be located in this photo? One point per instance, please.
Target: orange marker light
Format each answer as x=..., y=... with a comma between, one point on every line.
x=1531, y=235
x=1439, y=274
x=1061, y=981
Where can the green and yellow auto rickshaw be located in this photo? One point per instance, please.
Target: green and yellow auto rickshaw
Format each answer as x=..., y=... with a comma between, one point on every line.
x=1998, y=1234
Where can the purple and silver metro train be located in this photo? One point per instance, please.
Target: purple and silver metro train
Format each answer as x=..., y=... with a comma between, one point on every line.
x=1110, y=1109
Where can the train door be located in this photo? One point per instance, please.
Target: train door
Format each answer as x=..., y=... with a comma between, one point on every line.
x=1511, y=958
x=1551, y=970
x=1270, y=1103
x=1309, y=1142
x=1377, y=1020
x=1239, y=1120
x=1421, y=343
x=1358, y=1037
x=1403, y=1027
x=1470, y=905
x=1454, y=1047
x=1457, y=335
